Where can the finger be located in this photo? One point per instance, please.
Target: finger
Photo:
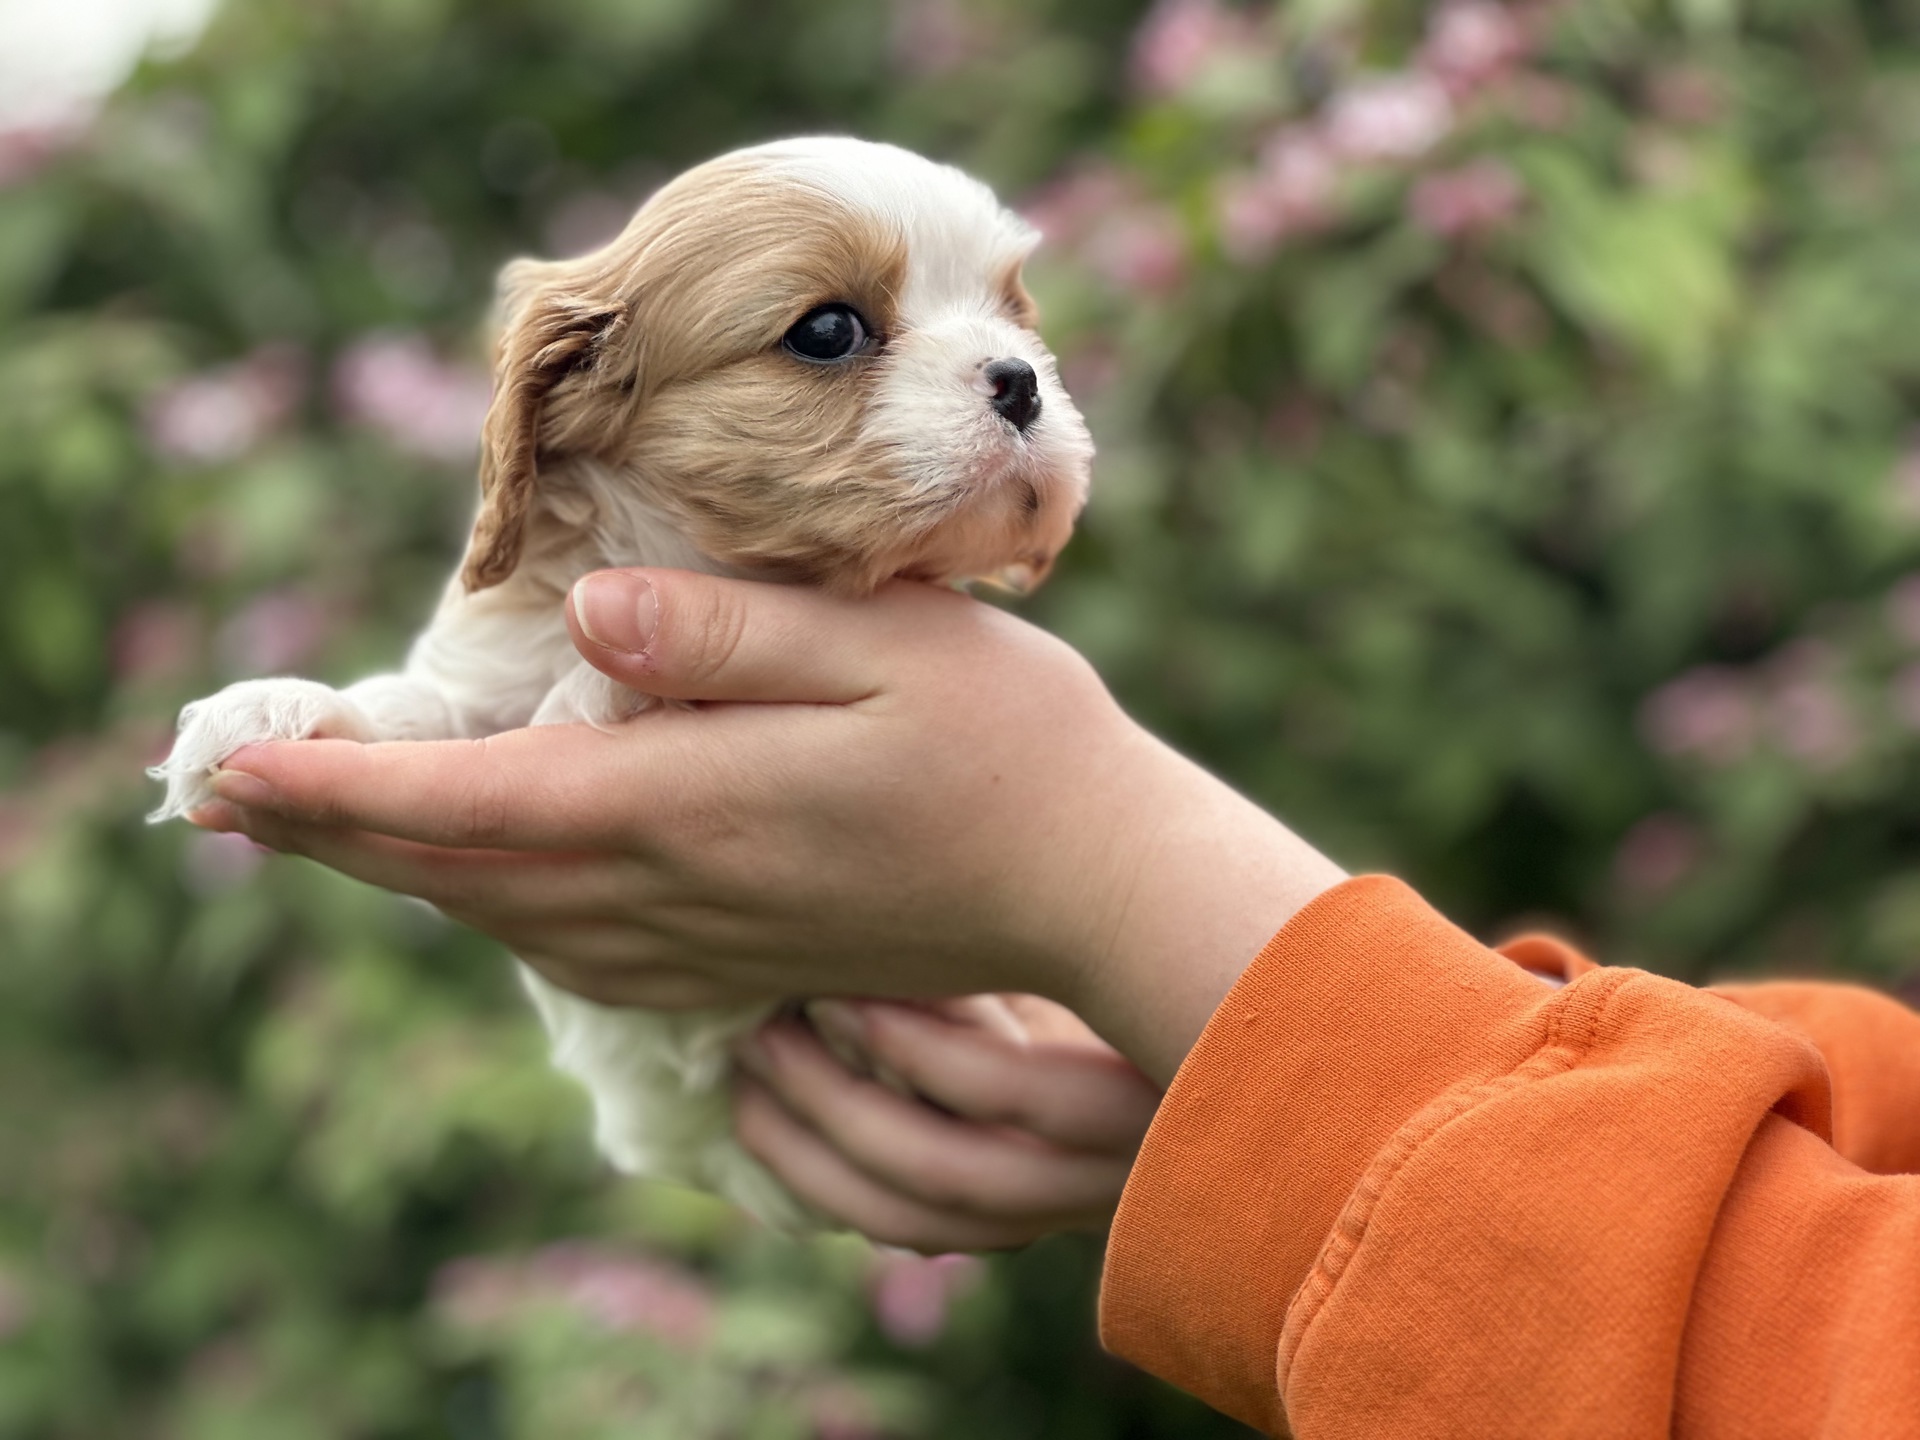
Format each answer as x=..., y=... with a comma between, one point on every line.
x=985, y=1012
x=696, y=637
x=508, y=886
x=1083, y=1096
x=537, y=789
x=909, y=1147
x=809, y=1166
x=1044, y=1020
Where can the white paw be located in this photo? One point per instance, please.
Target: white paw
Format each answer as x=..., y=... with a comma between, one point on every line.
x=247, y=714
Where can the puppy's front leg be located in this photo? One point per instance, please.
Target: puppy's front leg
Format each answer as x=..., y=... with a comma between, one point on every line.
x=382, y=707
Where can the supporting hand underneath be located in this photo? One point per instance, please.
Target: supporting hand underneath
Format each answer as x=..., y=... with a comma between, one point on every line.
x=971, y=1124
x=914, y=795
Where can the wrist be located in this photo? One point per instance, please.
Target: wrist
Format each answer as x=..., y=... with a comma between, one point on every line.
x=1197, y=880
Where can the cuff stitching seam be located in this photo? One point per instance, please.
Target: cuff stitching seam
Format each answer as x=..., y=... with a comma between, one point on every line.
x=1571, y=1022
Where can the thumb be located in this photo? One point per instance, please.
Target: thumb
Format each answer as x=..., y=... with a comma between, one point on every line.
x=688, y=636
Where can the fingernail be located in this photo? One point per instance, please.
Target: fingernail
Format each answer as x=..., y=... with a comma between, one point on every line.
x=239, y=788
x=838, y=1020
x=616, y=610
x=215, y=815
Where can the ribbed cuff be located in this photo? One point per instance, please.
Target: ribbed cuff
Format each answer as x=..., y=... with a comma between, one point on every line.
x=1361, y=1010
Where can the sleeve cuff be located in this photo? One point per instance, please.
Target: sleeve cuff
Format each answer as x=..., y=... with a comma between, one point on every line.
x=1268, y=1126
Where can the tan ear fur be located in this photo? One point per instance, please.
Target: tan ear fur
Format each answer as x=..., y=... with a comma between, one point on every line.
x=1024, y=576
x=1016, y=298
x=556, y=323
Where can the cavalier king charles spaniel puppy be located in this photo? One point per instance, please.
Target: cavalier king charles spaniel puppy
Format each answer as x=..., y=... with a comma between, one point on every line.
x=811, y=361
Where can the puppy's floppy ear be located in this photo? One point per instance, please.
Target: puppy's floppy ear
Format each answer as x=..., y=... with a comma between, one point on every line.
x=1015, y=299
x=558, y=323
x=1025, y=575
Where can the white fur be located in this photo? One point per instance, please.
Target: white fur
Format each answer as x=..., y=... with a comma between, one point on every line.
x=489, y=662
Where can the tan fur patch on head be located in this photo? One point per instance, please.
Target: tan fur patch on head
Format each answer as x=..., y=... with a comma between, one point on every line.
x=710, y=275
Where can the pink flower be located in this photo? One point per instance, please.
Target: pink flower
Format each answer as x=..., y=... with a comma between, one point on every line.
x=221, y=414
x=1143, y=248
x=1471, y=43
x=935, y=37
x=1294, y=424
x=1657, y=854
x=1180, y=39
x=1686, y=95
x=273, y=633
x=1905, y=481
x=155, y=640
x=16, y=1308
x=18, y=831
x=26, y=149
x=1812, y=723
x=230, y=1363
x=476, y=1294
x=1292, y=192
x=840, y=1412
x=1388, y=117
x=631, y=1294
x=1091, y=367
x=1470, y=200
x=1541, y=102
x=615, y=1289
x=1903, y=696
x=1710, y=713
x=396, y=385
x=911, y=1293
x=1903, y=609
x=1067, y=208
x=213, y=864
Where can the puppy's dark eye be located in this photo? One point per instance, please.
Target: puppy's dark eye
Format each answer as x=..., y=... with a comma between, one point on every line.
x=827, y=333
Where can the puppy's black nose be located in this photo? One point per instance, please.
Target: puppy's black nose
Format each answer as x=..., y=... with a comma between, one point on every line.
x=1016, y=391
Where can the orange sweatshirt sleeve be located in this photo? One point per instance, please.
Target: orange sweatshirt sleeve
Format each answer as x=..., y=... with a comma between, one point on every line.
x=1402, y=1188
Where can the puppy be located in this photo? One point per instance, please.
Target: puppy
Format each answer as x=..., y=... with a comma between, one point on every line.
x=810, y=361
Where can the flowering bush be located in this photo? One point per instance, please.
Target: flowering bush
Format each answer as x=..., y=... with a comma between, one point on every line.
x=1507, y=474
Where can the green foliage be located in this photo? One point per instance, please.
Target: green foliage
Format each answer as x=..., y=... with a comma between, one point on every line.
x=1506, y=475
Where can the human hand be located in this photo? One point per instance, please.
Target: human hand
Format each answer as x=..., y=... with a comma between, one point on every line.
x=999, y=1118
x=911, y=795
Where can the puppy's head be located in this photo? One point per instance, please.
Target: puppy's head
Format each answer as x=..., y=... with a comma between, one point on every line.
x=815, y=358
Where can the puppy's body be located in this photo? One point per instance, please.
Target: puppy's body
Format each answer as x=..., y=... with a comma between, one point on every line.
x=671, y=400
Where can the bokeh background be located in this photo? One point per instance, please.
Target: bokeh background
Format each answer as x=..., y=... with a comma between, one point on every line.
x=1507, y=474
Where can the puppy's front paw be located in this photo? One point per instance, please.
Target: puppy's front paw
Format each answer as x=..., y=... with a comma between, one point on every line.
x=247, y=714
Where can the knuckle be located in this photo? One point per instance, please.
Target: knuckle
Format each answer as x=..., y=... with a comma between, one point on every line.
x=947, y=1186
x=709, y=634
x=1004, y=1104
x=486, y=799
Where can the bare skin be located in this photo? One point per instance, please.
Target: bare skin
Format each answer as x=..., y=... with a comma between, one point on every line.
x=913, y=796
x=983, y=1134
